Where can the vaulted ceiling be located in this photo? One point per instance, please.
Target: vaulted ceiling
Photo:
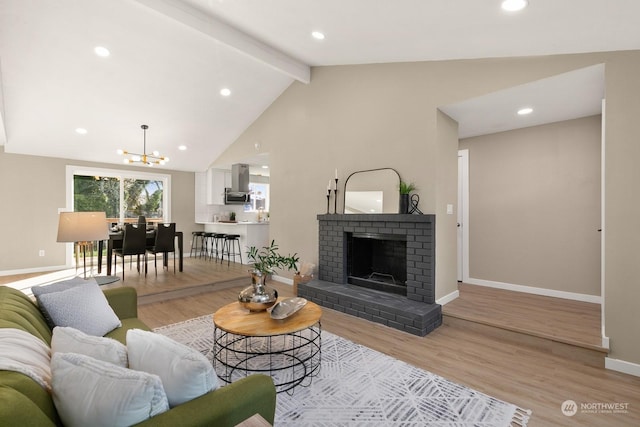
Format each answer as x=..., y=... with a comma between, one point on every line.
x=170, y=59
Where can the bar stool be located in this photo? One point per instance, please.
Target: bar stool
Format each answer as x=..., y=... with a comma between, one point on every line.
x=229, y=246
x=208, y=244
x=218, y=244
x=197, y=237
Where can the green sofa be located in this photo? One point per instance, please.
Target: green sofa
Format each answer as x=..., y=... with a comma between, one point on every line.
x=25, y=403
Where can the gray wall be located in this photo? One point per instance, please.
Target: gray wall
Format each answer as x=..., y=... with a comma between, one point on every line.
x=33, y=188
x=385, y=115
x=535, y=206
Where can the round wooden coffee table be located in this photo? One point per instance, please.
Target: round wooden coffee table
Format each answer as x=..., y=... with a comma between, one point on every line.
x=289, y=350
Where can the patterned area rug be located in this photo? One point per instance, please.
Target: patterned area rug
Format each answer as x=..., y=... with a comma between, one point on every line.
x=358, y=386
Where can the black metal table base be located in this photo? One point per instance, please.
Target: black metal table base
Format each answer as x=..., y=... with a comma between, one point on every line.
x=290, y=359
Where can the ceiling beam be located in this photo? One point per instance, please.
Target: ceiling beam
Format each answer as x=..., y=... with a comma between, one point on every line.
x=231, y=37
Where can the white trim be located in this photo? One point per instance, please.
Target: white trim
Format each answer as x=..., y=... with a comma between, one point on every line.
x=605, y=338
x=622, y=366
x=536, y=291
x=282, y=279
x=448, y=298
x=605, y=342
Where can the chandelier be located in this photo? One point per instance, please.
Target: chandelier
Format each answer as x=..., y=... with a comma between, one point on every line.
x=145, y=158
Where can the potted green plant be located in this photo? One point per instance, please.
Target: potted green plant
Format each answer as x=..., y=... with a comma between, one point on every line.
x=258, y=296
x=405, y=191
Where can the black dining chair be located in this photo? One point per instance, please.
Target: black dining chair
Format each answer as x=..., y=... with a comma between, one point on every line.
x=134, y=242
x=164, y=243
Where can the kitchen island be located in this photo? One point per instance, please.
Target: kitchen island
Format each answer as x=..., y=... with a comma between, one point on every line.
x=251, y=233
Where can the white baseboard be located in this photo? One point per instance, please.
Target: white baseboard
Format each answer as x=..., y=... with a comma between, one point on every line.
x=595, y=299
x=282, y=279
x=448, y=298
x=605, y=342
x=622, y=366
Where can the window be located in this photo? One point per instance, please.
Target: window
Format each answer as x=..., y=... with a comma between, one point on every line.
x=123, y=195
x=259, y=197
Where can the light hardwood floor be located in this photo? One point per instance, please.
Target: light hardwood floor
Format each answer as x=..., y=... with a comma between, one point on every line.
x=529, y=376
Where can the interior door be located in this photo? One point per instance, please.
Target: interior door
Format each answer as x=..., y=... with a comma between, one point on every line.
x=463, y=214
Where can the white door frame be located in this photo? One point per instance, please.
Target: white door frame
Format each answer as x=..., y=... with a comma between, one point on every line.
x=605, y=338
x=463, y=215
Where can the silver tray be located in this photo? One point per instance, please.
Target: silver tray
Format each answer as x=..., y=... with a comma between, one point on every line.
x=287, y=307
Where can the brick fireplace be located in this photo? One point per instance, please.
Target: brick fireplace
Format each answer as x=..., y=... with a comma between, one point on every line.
x=402, y=297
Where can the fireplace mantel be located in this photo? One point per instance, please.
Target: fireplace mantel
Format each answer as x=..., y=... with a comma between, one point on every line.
x=416, y=313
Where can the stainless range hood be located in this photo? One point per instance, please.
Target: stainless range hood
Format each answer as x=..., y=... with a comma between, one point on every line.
x=239, y=192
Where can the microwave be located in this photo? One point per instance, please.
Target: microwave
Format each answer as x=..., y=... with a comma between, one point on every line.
x=236, y=197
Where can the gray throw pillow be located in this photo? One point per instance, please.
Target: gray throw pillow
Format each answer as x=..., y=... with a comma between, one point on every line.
x=62, y=285
x=81, y=307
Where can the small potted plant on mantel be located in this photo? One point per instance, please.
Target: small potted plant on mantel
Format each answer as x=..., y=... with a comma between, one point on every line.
x=258, y=296
x=405, y=191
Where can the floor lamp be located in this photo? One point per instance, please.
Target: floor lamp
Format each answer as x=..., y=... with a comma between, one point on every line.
x=83, y=228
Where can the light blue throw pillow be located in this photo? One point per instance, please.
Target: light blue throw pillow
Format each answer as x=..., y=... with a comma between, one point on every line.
x=82, y=307
x=62, y=285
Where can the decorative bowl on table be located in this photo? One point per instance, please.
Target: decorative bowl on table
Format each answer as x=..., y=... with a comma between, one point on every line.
x=287, y=307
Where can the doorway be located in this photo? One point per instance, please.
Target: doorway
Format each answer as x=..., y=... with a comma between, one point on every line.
x=463, y=215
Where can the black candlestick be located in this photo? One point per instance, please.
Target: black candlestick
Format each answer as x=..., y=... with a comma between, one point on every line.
x=328, y=197
x=335, y=198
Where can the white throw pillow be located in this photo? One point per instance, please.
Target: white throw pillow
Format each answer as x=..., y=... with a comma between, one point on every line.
x=90, y=392
x=82, y=307
x=185, y=373
x=70, y=340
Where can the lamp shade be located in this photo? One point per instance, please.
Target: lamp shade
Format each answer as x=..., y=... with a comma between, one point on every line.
x=82, y=226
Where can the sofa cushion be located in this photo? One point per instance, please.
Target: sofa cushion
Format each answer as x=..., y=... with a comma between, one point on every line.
x=18, y=409
x=82, y=307
x=71, y=340
x=120, y=334
x=18, y=311
x=185, y=372
x=90, y=392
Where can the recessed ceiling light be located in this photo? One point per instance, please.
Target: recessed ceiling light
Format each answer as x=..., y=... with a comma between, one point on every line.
x=182, y=147
x=81, y=131
x=525, y=111
x=317, y=35
x=514, y=5
x=225, y=91
x=102, y=51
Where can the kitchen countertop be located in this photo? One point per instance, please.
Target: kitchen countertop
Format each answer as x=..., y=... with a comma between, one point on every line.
x=237, y=223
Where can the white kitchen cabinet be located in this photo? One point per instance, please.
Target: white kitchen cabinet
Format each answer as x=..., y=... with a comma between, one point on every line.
x=201, y=210
x=217, y=180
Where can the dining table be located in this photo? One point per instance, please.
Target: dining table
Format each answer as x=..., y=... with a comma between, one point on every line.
x=115, y=241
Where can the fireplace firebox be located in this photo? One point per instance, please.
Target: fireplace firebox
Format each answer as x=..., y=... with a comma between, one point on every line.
x=377, y=261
